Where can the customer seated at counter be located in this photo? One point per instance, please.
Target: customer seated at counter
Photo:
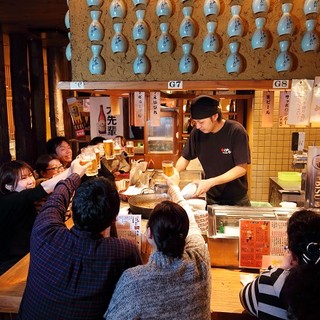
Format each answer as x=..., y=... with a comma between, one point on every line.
x=60, y=146
x=291, y=292
x=18, y=194
x=175, y=283
x=47, y=166
x=73, y=273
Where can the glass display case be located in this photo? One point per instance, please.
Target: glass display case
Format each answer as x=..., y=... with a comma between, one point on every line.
x=162, y=139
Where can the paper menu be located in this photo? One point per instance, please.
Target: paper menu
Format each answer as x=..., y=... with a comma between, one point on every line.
x=260, y=238
x=129, y=227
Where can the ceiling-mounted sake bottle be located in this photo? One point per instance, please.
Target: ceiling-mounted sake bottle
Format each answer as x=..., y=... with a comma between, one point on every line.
x=311, y=6
x=165, y=42
x=211, y=41
x=140, y=29
x=117, y=9
x=95, y=31
x=141, y=64
x=260, y=38
x=164, y=8
x=118, y=43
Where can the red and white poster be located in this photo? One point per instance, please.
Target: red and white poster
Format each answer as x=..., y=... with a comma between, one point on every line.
x=102, y=121
x=267, y=109
x=260, y=238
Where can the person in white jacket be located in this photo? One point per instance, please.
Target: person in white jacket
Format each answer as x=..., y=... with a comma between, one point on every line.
x=175, y=283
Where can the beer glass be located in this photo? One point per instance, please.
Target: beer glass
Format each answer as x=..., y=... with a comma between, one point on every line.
x=117, y=146
x=88, y=155
x=108, y=149
x=130, y=148
x=167, y=167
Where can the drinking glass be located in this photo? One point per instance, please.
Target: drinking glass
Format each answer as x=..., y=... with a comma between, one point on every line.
x=88, y=155
x=167, y=167
x=108, y=149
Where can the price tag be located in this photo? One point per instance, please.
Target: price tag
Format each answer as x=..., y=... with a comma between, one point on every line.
x=280, y=84
x=77, y=85
x=174, y=84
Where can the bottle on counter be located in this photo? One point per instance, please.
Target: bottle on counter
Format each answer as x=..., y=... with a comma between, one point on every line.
x=102, y=121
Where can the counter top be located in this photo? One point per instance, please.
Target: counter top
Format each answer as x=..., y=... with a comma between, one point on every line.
x=224, y=292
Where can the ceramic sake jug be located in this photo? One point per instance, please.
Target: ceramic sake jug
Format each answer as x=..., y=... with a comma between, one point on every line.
x=284, y=59
x=211, y=7
x=187, y=61
x=141, y=64
x=235, y=24
x=165, y=42
x=137, y=2
x=286, y=24
x=234, y=62
x=260, y=6
x=310, y=39
x=95, y=31
x=68, y=49
x=140, y=29
x=117, y=9
x=211, y=41
x=67, y=20
x=187, y=26
x=311, y=6
x=118, y=43
x=95, y=3
x=96, y=64
x=260, y=38
x=164, y=8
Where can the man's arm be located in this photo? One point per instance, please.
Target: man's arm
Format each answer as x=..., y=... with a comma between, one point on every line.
x=232, y=174
x=181, y=164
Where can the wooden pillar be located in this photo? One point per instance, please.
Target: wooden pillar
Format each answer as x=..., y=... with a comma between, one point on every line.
x=4, y=127
x=59, y=70
x=36, y=70
x=21, y=98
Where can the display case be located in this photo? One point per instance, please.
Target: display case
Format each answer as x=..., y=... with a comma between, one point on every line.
x=162, y=139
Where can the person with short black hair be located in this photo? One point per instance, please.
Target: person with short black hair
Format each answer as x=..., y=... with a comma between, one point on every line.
x=73, y=273
x=222, y=147
x=60, y=146
x=47, y=166
x=293, y=291
x=175, y=283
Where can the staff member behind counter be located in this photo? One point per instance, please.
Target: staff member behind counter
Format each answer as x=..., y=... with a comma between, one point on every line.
x=222, y=147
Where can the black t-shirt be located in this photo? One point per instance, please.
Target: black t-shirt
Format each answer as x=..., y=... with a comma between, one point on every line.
x=218, y=153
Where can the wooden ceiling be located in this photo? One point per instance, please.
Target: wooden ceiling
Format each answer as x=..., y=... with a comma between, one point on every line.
x=41, y=19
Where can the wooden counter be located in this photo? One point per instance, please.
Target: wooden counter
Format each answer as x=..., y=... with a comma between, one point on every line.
x=225, y=302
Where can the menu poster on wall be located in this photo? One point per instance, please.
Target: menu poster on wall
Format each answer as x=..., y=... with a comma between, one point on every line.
x=102, y=121
x=75, y=108
x=129, y=227
x=155, y=109
x=284, y=109
x=139, y=107
x=267, y=109
x=315, y=104
x=260, y=238
x=300, y=101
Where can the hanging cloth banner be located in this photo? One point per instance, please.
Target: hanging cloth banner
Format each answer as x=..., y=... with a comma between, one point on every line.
x=300, y=101
x=267, y=109
x=155, y=109
x=315, y=104
x=139, y=107
x=284, y=109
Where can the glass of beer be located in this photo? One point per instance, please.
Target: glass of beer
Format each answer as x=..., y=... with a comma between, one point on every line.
x=117, y=147
x=130, y=148
x=88, y=155
x=167, y=167
x=96, y=151
x=108, y=149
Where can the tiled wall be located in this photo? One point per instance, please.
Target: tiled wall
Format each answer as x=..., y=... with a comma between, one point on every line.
x=271, y=148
